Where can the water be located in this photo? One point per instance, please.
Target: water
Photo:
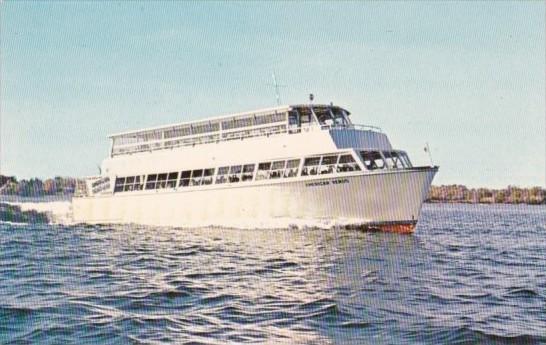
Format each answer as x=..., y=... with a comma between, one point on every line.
x=469, y=275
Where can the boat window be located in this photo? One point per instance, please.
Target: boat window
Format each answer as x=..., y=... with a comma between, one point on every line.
x=185, y=178
x=269, y=118
x=171, y=179
x=329, y=160
x=132, y=183
x=388, y=159
x=203, y=128
x=123, y=184
x=221, y=177
x=310, y=166
x=120, y=181
x=394, y=160
x=339, y=118
x=405, y=158
x=324, y=116
x=234, y=173
x=311, y=161
x=196, y=177
x=128, y=186
x=248, y=172
x=207, y=176
x=347, y=163
x=277, y=169
x=277, y=165
x=293, y=118
x=373, y=160
x=263, y=171
x=398, y=160
x=150, y=183
x=161, y=181
x=328, y=164
x=139, y=182
x=292, y=168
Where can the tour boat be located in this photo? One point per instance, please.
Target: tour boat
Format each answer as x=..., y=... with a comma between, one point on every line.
x=298, y=163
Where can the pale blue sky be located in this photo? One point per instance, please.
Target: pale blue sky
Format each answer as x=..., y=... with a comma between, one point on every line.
x=467, y=77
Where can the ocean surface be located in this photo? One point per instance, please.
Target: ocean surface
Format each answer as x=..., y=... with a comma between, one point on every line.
x=471, y=274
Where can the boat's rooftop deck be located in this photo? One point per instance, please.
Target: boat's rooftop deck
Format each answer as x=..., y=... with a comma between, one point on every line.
x=264, y=122
x=234, y=117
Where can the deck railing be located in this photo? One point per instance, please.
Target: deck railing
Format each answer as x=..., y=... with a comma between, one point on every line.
x=232, y=134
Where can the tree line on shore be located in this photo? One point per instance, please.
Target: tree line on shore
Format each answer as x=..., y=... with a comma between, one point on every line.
x=508, y=195
x=66, y=186
x=35, y=187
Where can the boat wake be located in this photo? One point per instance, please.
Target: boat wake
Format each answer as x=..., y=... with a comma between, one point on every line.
x=60, y=212
x=54, y=212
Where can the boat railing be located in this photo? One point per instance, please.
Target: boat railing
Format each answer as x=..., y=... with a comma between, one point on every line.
x=231, y=134
x=365, y=128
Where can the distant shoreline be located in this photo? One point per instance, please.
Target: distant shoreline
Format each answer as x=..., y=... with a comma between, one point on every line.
x=483, y=203
x=510, y=195
x=62, y=188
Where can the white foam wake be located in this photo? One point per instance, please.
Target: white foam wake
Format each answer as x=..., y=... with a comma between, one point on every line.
x=58, y=212
x=277, y=223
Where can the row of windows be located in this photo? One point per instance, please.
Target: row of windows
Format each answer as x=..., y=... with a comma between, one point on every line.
x=329, y=164
x=317, y=165
x=386, y=159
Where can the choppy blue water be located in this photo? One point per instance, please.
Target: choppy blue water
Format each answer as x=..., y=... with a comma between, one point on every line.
x=469, y=275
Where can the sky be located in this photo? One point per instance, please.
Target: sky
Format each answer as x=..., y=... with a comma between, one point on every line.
x=468, y=78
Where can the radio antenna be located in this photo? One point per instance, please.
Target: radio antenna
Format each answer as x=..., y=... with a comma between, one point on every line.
x=276, y=86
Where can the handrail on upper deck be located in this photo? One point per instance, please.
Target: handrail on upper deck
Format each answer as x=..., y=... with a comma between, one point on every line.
x=354, y=126
x=232, y=134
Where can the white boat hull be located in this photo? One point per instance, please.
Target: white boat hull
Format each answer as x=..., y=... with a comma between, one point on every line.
x=388, y=200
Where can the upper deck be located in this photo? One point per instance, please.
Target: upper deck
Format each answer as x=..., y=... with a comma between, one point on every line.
x=290, y=119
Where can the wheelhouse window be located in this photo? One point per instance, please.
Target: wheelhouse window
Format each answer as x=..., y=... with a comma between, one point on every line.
x=340, y=118
x=393, y=159
x=405, y=158
x=293, y=118
x=373, y=160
